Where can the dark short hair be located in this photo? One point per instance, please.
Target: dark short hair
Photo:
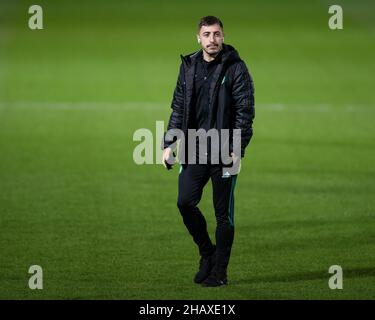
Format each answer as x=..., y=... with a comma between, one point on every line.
x=209, y=21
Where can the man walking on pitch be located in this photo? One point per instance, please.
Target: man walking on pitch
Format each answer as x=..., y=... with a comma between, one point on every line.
x=214, y=91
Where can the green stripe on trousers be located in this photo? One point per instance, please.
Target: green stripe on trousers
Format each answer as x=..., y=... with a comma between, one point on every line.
x=231, y=201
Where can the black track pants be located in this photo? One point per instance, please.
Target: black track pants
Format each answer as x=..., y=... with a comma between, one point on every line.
x=192, y=179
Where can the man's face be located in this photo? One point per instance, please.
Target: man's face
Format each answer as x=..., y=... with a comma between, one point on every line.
x=211, y=39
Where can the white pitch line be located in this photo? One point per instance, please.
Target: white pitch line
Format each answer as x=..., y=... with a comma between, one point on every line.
x=85, y=105
x=160, y=106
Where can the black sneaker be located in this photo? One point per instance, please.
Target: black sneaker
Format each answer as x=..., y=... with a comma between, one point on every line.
x=215, y=279
x=205, y=267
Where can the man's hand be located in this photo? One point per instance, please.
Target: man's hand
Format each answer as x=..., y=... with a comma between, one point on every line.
x=236, y=167
x=234, y=157
x=168, y=158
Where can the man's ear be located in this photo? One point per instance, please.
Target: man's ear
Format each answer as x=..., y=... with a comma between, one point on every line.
x=199, y=39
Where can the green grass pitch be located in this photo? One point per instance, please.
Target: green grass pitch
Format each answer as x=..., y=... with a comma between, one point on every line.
x=73, y=201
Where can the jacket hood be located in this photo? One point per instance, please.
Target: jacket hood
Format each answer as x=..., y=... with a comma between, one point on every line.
x=228, y=55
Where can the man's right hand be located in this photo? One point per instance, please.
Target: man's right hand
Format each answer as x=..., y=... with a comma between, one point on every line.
x=168, y=158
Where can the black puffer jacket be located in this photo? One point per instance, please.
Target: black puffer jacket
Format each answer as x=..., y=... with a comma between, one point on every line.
x=231, y=97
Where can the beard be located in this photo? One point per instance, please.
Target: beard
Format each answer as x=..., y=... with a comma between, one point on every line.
x=212, y=50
